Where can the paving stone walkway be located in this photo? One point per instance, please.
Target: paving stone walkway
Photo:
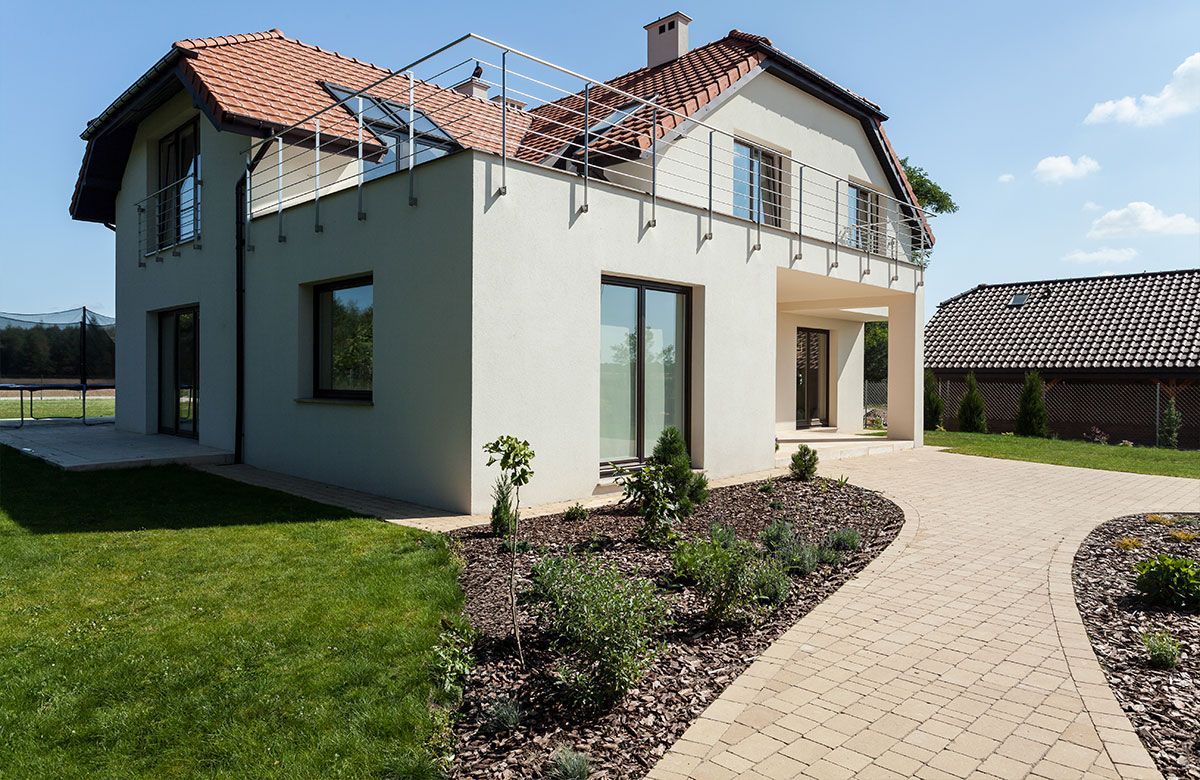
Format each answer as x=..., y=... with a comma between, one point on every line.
x=958, y=653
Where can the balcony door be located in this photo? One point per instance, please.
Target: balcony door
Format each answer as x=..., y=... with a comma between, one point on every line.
x=179, y=371
x=644, y=359
x=812, y=378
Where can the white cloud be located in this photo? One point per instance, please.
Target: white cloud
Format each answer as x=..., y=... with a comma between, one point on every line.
x=1056, y=170
x=1006, y=178
x=1104, y=256
x=1180, y=96
x=1092, y=205
x=1139, y=218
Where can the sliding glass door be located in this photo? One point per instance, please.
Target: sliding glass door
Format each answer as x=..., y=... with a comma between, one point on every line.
x=179, y=372
x=644, y=342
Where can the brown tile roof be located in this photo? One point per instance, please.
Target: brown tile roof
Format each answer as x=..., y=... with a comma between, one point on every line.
x=1133, y=321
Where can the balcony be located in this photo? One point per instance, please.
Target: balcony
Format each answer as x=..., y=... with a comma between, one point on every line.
x=544, y=115
x=169, y=218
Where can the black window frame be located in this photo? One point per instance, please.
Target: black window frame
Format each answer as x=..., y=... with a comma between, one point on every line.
x=317, y=291
x=609, y=467
x=168, y=224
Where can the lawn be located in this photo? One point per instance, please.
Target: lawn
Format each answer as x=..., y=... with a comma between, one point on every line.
x=1139, y=460
x=99, y=406
x=168, y=623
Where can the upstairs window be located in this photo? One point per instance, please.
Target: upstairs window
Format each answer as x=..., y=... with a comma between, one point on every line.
x=865, y=229
x=343, y=338
x=177, y=202
x=387, y=122
x=757, y=174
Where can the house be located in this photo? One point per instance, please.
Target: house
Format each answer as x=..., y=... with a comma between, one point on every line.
x=360, y=275
x=1112, y=350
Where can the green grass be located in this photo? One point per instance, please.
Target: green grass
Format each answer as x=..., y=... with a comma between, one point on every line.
x=1138, y=460
x=10, y=408
x=171, y=624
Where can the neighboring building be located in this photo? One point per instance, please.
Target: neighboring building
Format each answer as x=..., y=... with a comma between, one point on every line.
x=1112, y=350
x=575, y=262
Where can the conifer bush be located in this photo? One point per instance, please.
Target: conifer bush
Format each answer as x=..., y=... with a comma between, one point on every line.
x=1032, y=419
x=972, y=417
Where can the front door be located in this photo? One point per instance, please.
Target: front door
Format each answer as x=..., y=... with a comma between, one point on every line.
x=179, y=372
x=812, y=377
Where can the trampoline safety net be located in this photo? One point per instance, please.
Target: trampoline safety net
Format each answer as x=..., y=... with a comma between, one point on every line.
x=76, y=346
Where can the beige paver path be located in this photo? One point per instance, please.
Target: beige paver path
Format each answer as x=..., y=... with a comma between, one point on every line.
x=958, y=653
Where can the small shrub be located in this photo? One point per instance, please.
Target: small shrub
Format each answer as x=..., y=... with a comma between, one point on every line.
x=1160, y=520
x=568, y=764
x=935, y=407
x=1096, y=436
x=972, y=417
x=689, y=558
x=735, y=582
x=793, y=555
x=1167, y=581
x=804, y=463
x=1172, y=421
x=767, y=487
x=778, y=535
x=1032, y=419
x=651, y=491
x=828, y=556
x=575, y=514
x=770, y=583
x=845, y=539
x=503, y=518
x=453, y=659
x=1128, y=543
x=604, y=625
x=776, y=505
x=1162, y=648
x=1183, y=535
x=505, y=714
x=518, y=546
x=690, y=487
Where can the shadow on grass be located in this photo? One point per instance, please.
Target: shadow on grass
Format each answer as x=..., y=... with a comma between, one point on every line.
x=42, y=499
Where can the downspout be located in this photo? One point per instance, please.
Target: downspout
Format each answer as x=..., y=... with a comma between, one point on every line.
x=239, y=420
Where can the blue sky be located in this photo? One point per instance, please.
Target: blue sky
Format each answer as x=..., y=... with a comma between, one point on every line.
x=974, y=93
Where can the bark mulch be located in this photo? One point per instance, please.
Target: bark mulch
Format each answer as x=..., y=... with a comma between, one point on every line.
x=1162, y=704
x=699, y=661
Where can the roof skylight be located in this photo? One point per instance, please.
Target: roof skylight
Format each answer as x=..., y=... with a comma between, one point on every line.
x=1018, y=300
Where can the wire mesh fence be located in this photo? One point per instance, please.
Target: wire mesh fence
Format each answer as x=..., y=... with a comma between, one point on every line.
x=1129, y=411
x=875, y=393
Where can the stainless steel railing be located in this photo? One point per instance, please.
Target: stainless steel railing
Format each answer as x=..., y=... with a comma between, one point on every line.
x=170, y=218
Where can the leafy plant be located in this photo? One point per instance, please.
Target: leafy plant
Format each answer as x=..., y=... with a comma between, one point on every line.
x=972, y=417
x=804, y=463
x=1172, y=421
x=503, y=518
x=735, y=582
x=568, y=764
x=1032, y=419
x=828, y=556
x=1096, y=436
x=1128, y=543
x=453, y=659
x=1162, y=648
x=515, y=456
x=1183, y=535
x=768, y=486
x=1167, y=581
x=604, y=624
x=794, y=556
x=690, y=487
x=651, y=490
x=505, y=714
x=778, y=535
x=846, y=539
x=575, y=514
x=511, y=545
x=935, y=407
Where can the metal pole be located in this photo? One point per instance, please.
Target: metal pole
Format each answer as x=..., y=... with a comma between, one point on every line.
x=837, y=229
x=249, y=201
x=504, y=122
x=800, y=213
x=1157, y=410
x=757, y=200
x=653, y=166
x=197, y=206
x=279, y=186
x=708, y=236
x=361, y=173
x=317, y=226
x=412, y=146
x=587, y=134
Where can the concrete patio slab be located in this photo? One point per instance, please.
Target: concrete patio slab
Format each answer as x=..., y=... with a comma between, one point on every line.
x=832, y=444
x=958, y=653
x=77, y=447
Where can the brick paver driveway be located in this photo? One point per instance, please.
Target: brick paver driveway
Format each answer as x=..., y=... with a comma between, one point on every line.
x=959, y=652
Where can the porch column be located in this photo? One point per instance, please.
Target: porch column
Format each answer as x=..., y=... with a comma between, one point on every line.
x=906, y=367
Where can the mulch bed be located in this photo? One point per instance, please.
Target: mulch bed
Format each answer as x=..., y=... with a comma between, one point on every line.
x=1162, y=704
x=699, y=661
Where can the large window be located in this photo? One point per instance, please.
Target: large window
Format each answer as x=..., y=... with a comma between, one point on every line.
x=644, y=343
x=863, y=219
x=387, y=122
x=343, y=341
x=757, y=174
x=177, y=206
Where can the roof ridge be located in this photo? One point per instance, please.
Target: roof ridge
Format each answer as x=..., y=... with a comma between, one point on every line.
x=609, y=81
x=1064, y=279
x=339, y=55
x=228, y=40
x=741, y=35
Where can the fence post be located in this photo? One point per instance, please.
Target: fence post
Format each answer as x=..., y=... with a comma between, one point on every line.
x=1157, y=410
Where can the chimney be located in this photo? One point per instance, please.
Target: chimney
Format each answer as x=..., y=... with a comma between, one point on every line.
x=474, y=86
x=667, y=39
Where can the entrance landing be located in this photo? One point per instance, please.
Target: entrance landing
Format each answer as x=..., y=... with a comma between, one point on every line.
x=832, y=444
x=77, y=447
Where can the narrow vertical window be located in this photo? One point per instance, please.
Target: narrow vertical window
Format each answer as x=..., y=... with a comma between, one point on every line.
x=863, y=219
x=343, y=342
x=177, y=204
x=757, y=184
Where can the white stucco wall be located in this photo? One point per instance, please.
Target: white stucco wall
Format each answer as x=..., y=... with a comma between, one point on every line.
x=846, y=349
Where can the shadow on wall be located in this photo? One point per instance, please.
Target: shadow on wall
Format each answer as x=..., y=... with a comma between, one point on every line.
x=44, y=499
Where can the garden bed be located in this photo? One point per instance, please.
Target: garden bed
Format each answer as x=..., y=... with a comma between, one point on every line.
x=699, y=659
x=1162, y=704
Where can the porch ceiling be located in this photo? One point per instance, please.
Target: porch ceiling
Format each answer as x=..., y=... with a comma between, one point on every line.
x=825, y=296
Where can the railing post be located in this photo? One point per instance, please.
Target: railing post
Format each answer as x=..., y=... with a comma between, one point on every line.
x=708, y=236
x=279, y=186
x=412, y=146
x=504, y=123
x=799, y=213
x=197, y=206
x=756, y=196
x=653, y=166
x=361, y=171
x=837, y=227
x=587, y=134
x=317, y=226
x=249, y=200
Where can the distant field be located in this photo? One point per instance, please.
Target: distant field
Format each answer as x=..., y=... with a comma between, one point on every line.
x=102, y=406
